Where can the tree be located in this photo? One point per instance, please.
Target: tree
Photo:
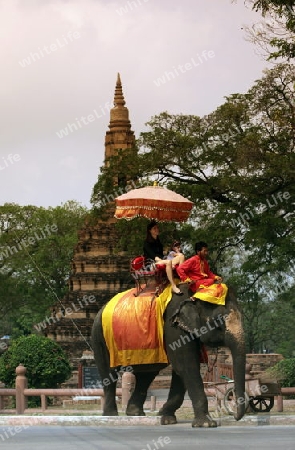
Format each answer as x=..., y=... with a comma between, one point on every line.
x=36, y=246
x=284, y=371
x=47, y=364
x=275, y=34
x=237, y=166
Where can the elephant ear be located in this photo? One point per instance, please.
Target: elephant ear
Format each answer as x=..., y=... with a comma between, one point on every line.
x=186, y=317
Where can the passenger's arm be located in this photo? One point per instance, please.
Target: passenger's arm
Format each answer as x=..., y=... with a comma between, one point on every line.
x=184, y=269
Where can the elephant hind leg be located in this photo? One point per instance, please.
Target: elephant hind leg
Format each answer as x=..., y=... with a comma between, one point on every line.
x=110, y=405
x=174, y=401
x=138, y=397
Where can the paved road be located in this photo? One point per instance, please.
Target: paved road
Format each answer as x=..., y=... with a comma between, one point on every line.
x=181, y=436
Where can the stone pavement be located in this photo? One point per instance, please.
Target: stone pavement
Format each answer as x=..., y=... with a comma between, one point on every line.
x=76, y=420
x=78, y=417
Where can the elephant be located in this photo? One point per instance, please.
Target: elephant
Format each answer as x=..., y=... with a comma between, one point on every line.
x=187, y=325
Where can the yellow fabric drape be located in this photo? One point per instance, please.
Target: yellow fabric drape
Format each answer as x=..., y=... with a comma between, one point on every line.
x=216, y=293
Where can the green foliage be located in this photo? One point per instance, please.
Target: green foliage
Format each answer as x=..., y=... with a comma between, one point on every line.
x=46, y=363
x=110, y=184
x=36, y=247
x=284, y=371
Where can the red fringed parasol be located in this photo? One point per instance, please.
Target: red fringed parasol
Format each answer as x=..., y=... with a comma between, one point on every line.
x=153, y=202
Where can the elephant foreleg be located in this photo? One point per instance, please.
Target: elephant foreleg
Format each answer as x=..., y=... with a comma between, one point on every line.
x=185, y=361
x=195, y=388
x=138, y=397
x=174, y=401
x=200, y=404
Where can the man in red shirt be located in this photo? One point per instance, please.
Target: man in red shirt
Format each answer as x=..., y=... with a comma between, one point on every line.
x=197, y=269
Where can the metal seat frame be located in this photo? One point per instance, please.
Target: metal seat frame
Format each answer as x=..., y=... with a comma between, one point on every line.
x=143, y=269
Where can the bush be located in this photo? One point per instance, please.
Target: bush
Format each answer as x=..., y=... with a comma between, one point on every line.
x=47, y=364
x=284, y=371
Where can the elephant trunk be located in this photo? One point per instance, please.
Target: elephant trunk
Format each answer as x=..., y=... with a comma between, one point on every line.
x=235, y=341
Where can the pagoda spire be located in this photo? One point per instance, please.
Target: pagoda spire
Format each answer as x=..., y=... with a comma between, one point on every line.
x=119, y=97
x=119, y=135
x=119, y=114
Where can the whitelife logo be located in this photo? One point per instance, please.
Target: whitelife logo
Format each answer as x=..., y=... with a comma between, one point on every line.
x=183, y=68
x=84, y=120
x=9, y=160
x=48, y=49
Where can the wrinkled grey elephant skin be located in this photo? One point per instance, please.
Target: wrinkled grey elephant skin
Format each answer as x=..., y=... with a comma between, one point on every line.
x=186, y=325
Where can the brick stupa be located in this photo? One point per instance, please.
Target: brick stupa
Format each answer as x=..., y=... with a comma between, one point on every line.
x=98, y=272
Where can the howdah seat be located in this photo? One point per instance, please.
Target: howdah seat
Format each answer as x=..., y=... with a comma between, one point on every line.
x=143, y=270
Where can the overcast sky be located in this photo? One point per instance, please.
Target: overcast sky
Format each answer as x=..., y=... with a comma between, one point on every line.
x=59, y=62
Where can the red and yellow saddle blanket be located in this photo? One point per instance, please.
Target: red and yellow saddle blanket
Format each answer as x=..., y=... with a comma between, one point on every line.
x=216, y=293
x=133, y=328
